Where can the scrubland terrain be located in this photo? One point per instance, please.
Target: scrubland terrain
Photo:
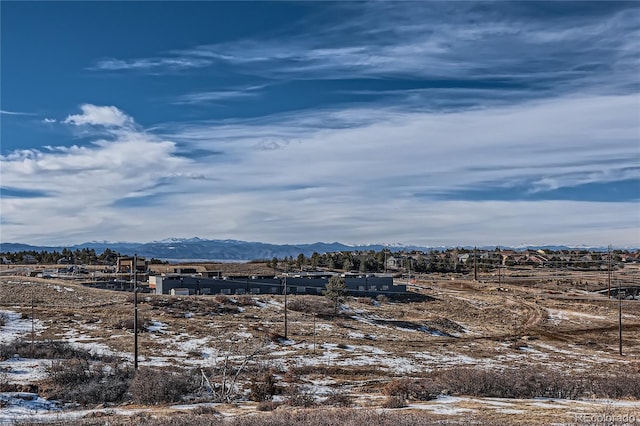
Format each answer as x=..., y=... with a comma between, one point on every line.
x=455, y=352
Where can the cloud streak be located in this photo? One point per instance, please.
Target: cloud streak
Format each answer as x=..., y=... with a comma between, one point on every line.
x=578, y=51
x=219, y=95
x=429, y=123
x=380, y=178
x=5, y=112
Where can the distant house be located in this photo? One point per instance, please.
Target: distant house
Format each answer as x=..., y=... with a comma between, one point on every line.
x=125, y=264
x=629, y=257
x=393, y=263
x=5, y=261
x=29, y=258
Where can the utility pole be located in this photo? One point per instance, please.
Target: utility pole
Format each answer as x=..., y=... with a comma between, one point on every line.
x=314, y=332
x=285, y=300
x=619, y=319
x=33, y=327
x=609, y=273
x=135, y=311
x=475, y=264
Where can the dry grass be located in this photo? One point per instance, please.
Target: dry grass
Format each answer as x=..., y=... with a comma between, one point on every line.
x=463, y=325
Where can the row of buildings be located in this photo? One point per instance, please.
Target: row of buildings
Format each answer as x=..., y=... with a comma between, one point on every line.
x=304, y=283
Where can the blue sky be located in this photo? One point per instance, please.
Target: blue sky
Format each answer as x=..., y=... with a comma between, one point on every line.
x=455, y=123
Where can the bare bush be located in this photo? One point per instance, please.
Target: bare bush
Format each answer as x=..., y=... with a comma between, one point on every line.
x=237, y=357
x=245, y=300
x=79, y=381
x=421, y=390
x=153, y=386
x=268, y=405
x=394, y=402
x=311, y=305
x=382, y=299
x=512, y=383
x=48, y=349
x=338, y=399
x=617, y=387
x=128, y=324
x=221, y=298
x=300, y=397
x=317, y=417
x=5, y=386
x=205, y=410
x=264, y=388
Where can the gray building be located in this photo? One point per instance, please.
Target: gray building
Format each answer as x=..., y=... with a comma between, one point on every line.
x=360, y=285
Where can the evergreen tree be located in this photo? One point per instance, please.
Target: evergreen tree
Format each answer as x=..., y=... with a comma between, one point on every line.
x=336, y=291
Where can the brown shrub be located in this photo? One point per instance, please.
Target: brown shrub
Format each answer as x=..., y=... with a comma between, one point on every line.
x=48, y=349
x=264, y=389
x=617, y=387
x=421, y=390
x=205, y=410
x=338, y=399
x=154, y=386
x=245, y=300
x=394, y=402
x=310, y=305
x=221, y=298
x=268, y=405
x=77, y=380
x=299, y=397
x=512, y=383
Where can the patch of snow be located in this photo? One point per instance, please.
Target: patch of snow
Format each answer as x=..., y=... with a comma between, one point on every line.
x=157, y=326
x=17, y=403
x=24, y=371
x=510, y=411
x=447, y=359
x=16, y=326
x=372, y=349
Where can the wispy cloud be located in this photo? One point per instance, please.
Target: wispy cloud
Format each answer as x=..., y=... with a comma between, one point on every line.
x=151, y=64
x=219, y=95
x=568, y=51
x=301, y=177
x=4, y=112
x=516, y=102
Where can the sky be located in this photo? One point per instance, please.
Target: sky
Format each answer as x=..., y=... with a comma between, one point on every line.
x=453, y=123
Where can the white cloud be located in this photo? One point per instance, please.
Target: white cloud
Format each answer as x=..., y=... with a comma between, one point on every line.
x=80, y=184
x=353, y=175
x=5, y=112
x=172, y=64
x=49, y=120
x=566, y=51
x=219, y=95
x=108, y=116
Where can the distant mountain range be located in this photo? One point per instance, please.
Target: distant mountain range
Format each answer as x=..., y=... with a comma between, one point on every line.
x=233, y=250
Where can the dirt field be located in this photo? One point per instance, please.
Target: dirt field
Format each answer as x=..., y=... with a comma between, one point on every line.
x=554, y=324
